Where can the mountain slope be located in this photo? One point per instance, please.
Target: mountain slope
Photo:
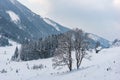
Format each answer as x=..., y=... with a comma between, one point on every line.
x=19, y=23
x=93, y=39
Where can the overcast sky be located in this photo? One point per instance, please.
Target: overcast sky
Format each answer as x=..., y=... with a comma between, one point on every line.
x=101, y=17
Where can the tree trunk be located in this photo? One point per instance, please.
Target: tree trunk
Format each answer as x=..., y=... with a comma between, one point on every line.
x=77, y=64
x=70, y=60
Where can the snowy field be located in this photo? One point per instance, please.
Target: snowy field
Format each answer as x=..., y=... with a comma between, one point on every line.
x=102, y=66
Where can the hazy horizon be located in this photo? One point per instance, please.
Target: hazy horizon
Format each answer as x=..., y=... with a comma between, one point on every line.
x=101, y=17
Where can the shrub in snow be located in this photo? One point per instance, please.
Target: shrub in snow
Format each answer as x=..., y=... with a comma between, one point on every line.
x=113, y=61
x=27, y=66
x=109, y=68
x=11, y=69
x=57, y=72
x=37, y=66
x=51, y=73
x=17, y=70
x=3, y=71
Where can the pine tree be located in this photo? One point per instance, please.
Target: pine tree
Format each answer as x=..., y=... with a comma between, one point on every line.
x=15, y=56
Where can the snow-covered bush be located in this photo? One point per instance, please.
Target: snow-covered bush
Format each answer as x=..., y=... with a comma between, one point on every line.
x=3, y=71
x=35, y=67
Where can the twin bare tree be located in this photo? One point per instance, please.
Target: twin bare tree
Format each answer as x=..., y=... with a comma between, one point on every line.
x=70, y=41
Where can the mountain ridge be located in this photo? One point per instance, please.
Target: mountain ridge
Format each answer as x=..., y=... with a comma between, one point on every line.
x=104, y=43
x=22, y=20
x=20, y=24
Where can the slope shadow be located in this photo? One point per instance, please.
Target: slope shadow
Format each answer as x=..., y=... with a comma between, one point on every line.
x=76, y=70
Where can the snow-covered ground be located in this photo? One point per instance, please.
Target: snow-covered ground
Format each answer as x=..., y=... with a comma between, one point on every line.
x=51, y=23
x=102, y=66
x=14, y=17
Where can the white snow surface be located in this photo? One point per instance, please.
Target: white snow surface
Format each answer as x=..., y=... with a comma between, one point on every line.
x=14, y=17
x=93, y=37
x=12, y=1
x=51, y=23
x=102, y=66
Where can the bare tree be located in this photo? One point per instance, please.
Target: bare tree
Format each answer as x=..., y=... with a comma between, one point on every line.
x=80, y=46
x=63, y=55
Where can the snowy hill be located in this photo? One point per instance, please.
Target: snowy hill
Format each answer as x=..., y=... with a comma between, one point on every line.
x=48, y=21
x=55, y=25
x=102, y=66
x=93, y=39
x=19, y=23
